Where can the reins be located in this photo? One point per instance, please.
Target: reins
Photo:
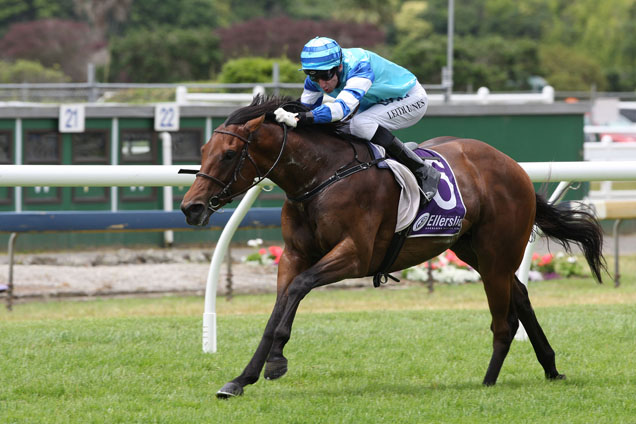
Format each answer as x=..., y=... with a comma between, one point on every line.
x=341, y=173
x=225, y=195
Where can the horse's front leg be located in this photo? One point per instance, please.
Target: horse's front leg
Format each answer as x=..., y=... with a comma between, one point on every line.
x=288, y=268
x=344, y=261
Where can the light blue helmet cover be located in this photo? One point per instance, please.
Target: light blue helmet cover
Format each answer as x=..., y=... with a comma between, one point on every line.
x=321, y=54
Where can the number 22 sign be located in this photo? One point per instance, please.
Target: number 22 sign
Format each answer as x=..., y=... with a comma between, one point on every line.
x=167, y=117
x=71, y=119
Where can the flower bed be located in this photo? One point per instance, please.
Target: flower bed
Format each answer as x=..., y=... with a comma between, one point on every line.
x=449, y=269
x=551, y=266
x=263, y=256
x=446, y=268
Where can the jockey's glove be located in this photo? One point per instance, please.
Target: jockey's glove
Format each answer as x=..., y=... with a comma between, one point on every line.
x=293, y=119
x=287, y=118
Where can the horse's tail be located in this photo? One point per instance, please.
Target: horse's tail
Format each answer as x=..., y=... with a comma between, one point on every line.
x=579, y=226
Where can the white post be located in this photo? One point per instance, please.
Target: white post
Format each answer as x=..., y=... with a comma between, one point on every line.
x=208, y=129
x=209, y=311
x=548, y=94
x=166, y=144
x=524, y=268
x=114, y=159
x=181, y=96
x=18, y=161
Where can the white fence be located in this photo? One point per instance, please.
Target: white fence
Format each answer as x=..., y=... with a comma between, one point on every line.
x=163, y=175
x=484, y=96
x=607, y=149
x=183, y=97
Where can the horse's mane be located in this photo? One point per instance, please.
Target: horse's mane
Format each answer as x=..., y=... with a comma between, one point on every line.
x=266, y=105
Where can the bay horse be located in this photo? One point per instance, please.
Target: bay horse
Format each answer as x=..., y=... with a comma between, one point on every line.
x=343, y=230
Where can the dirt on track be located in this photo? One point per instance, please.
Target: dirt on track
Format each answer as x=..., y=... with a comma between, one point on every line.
x=142, y=272
x=131, y=272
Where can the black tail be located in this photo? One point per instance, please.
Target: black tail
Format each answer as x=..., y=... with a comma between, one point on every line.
x=578, y=226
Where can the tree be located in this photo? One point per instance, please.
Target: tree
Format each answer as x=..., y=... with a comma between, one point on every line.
x=283, y=36
x=493, y=61
x=15, y=11
x=377, y=12
x=566, y=69
x=164, y=55
x=102, y=13
x=179, y=14
x=602, y=31
x=244, y=10
x=424, y=56
x=52, y=42
x=409, y=20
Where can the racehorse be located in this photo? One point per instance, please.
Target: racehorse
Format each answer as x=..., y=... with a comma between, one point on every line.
x=343, y=228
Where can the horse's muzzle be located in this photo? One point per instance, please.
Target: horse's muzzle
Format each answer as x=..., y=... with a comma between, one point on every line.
x=196, y=213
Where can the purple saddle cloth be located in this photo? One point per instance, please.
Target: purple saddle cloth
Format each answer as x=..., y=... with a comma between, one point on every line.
x=444, y=214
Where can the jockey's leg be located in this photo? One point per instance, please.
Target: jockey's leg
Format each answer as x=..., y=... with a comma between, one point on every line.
x=427, y=176
x=377, y=122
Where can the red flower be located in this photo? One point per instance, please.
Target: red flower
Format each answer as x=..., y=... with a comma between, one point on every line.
x=276, y=252
x=545, y=259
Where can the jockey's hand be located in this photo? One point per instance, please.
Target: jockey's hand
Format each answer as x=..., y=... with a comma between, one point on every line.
x=287, y=118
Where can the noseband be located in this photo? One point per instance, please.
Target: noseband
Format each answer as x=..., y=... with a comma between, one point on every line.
x=226, y=195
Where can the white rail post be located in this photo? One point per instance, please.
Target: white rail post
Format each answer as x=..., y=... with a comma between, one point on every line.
x=209, y=311
x=166, y=144
x=524, y=268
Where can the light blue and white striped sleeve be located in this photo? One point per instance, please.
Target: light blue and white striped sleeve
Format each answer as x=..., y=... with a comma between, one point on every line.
x=312, y=96
x=359, y=81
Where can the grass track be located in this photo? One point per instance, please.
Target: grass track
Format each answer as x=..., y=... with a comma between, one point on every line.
x=419, y=360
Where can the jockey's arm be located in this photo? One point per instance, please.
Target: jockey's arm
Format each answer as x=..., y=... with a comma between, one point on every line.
x=359, y=81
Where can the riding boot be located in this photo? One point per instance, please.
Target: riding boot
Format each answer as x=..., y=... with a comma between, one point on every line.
x=426, y=175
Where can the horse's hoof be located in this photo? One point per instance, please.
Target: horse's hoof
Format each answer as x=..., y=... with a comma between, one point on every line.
x=275, y=369
x=556, y=376
x=229, y=390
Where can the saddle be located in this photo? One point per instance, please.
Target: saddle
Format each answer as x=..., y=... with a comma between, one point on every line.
x=442, y=216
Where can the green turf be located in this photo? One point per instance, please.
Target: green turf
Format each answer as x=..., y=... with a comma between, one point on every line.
x=350, y=367
x=396, y=355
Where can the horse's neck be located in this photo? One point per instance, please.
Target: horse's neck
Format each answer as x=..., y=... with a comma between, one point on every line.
x=309, y=160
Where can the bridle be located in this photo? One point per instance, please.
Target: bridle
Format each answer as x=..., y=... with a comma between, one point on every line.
x=226, y=195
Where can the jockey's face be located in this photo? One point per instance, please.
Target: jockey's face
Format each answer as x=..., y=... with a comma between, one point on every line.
x=329, y=85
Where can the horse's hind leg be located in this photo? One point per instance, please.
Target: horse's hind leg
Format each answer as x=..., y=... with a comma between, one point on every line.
x=497, y=283
x=539, y=341
x=504, y=322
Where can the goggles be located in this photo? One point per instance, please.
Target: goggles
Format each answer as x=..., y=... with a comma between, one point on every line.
x=317, y=75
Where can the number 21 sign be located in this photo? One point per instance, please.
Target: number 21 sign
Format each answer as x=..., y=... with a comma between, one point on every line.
x=71, y=119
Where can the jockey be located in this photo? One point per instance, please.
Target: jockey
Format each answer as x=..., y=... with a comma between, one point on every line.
x=373, y=95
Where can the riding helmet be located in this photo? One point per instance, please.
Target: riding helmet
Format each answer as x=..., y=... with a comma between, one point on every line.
x=321, y=53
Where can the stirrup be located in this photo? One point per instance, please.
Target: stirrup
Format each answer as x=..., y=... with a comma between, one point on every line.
x=427, y=182
x=426, y=197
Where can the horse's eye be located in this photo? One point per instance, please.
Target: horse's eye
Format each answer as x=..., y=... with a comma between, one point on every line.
x=229, y=155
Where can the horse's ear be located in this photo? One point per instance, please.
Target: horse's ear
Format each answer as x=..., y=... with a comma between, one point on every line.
x=254, y=124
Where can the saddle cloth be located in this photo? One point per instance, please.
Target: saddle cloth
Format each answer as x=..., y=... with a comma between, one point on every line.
x=443, y=215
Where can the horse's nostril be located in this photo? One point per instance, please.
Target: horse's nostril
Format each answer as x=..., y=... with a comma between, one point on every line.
x=193, y=210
